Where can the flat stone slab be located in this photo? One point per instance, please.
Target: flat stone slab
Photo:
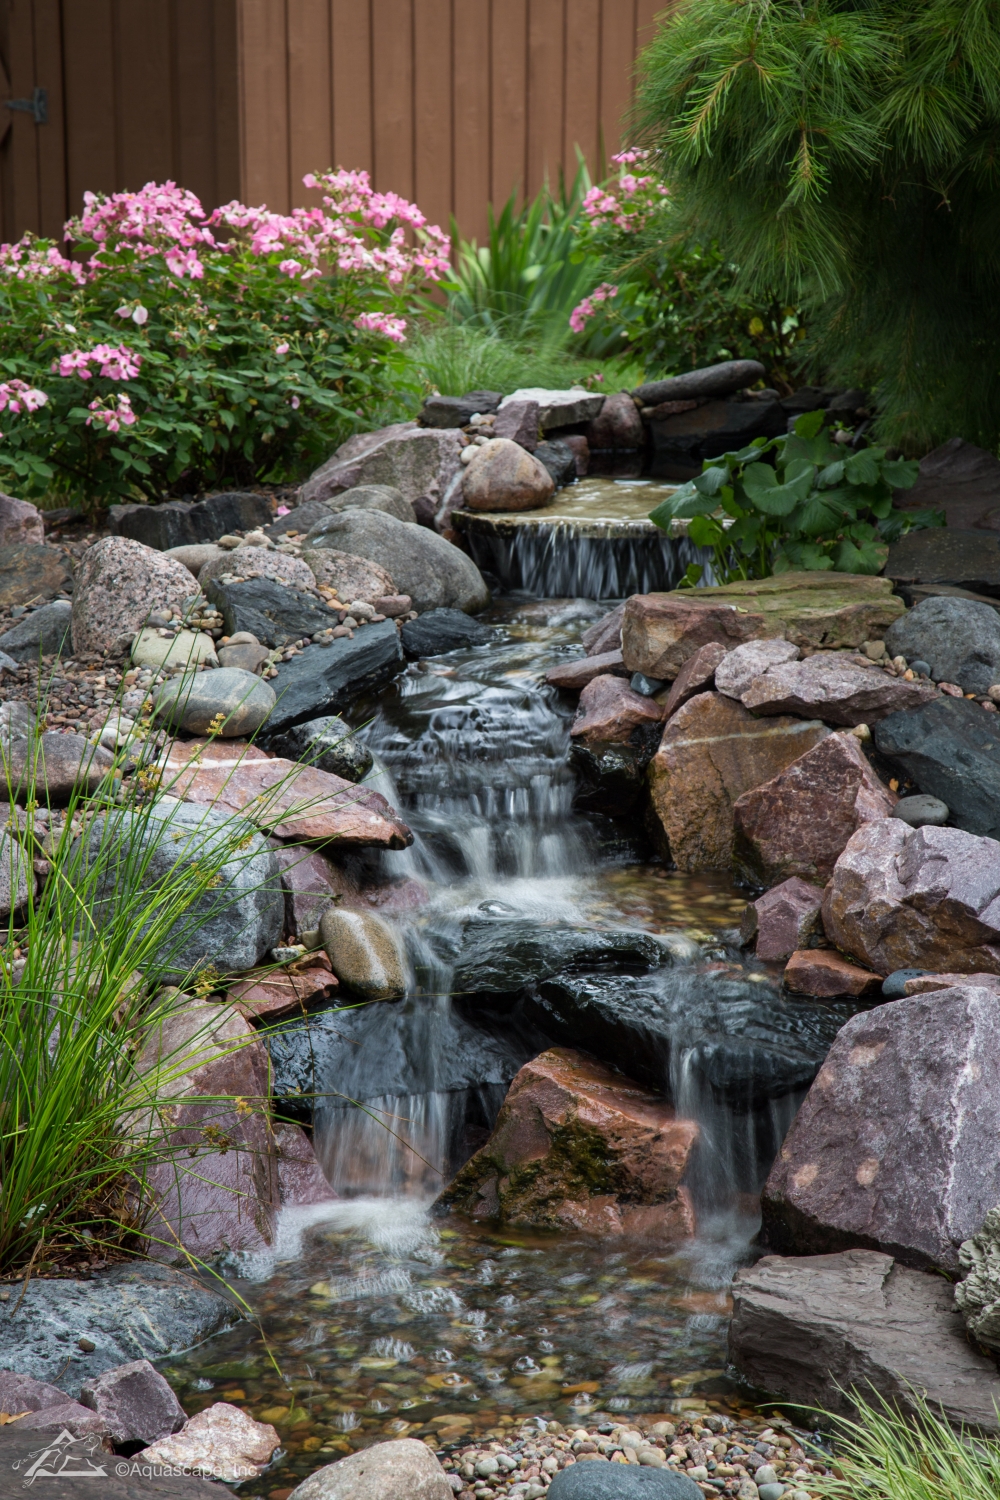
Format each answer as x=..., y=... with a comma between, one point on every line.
x=968, y=559
x=327, y=679
x=811, y=1328
x=135, y=1311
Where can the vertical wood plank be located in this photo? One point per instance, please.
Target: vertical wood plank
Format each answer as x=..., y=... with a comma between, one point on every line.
x=647, y=13
x=509, y=98
x=353, y=112
x=617, y=69
x=23, y=138
x=309, y=101
x=432, y=108
x=226, y=97
x=471, y=84
x=583, y=85
x=143, y=87
x=195, y=147
x=91, y=127
x=263, y=51
x=51, y=138
x=392, y=30
x=546, y=92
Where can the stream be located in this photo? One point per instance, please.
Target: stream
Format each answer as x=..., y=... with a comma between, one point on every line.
x=534, y=928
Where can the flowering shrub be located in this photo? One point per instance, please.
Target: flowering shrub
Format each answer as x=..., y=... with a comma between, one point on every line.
x=674, y=303
x=172, y=350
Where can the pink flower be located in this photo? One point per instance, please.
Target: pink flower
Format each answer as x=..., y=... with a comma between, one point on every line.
x=383, y=323
x=588, y=307
x=119, y=414
x=282, y=349
x=19, y=396
x=295, y=403
x=285, y=510
x=115, y=363
x=140, y=315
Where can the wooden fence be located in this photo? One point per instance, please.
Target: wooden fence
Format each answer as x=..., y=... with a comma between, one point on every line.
x=453, y=103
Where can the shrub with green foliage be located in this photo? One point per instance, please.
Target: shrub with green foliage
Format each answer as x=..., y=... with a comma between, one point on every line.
x=845, y=154
x=818, y=505
x=177, y=351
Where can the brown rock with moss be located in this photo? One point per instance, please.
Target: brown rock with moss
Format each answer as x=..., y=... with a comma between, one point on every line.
x=577, y=1147
x=800, y=821
x=712, y=752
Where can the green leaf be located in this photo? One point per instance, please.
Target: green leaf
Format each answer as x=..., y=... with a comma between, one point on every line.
x=763, y=490
x=822, y=513
x=863, y=467
x=705, y=532
x=832, y=474
x=711, y=481
x=869, y=557
x=901, y=473
x=809, y=424
x=809, y=557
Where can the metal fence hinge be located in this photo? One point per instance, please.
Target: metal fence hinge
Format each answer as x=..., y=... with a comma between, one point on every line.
x=37, y=105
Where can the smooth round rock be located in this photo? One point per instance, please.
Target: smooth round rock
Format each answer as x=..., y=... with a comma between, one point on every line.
x=921, y=668
x=921, y=811
x=770, y=1491
x=765, y=1475
x=196, y=701
x=893, y=984
x=363, y=954
x=595, y=1481
x=385, y=1471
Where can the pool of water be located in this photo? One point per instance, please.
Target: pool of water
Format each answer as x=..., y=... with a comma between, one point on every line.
x=373, y=1319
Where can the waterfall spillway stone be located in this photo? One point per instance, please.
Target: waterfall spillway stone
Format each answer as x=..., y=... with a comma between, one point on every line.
x=594, y=540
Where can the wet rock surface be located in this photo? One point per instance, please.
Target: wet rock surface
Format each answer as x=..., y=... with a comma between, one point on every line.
x=330, y=678
x=441, y=630
x=834, y=689
x=661, y=631
x=814, y=1327
x=222, y=1442
x=328, y=744
x=823, y=974
x=272, y=611
x=894, y=1147
x=951, y=749
x=501, y=955
x=578, y=1147
x=363, y=954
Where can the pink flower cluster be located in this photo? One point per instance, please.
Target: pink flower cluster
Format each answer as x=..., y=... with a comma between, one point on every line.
x=113, y=414
x=160, y=219
x=384, y=323
x=588, y=307
x=636, y=197
x=115, y=364
x=26, y=261
x=18, y=396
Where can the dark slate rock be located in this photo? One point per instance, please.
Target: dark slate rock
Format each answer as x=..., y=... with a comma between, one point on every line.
x=896, y=1151
x=31, y=573
x=742, y=1040
x=135, y=1311
x=961, y=480
x=813, y=1328
x=326, y=743
x=559, y=459
x=951, y=749
x=606, y=1481
x=177, y=523
x=501, y=956
x=328, y=679
x=455, y=411
x=612, y=777
x=964, y=559
x=276, y=614
x=441, y=630
x=681, y=440
x=231, y=926
x=301, y=520
x=714, y=380
x=40, y=633
x=894, y=984
x=957, y=638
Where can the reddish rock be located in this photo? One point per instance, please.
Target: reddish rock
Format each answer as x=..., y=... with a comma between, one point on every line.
x=925, y=984
x=917, y=898
x=834, y=688
x=742, y=665
x=270, y=997
x=822, y=611
x=617, y=425
x=518, y=420
x=577, y=1147
x=696, y=676
x=301, y=1182
x=350, y=577
x=504, y=476
x=284, y=797
x=894, y=1148
x=783, y=919
x=605, y=635
x=818, y=972
x=20, y=523
x=391, y=605
x=800, y=821
x=660, y=631
x=712, y=752
x=117, y=584
x=312, y=882
x=215, y=1189
x=573, y=676
x=223, y=1441
x=580, y=449
x=135, y=1403
x=610, y=712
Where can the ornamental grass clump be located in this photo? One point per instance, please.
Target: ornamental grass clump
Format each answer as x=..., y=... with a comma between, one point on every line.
x=172, y=350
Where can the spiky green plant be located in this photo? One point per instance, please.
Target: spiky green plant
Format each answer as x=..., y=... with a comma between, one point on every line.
x=845, y=152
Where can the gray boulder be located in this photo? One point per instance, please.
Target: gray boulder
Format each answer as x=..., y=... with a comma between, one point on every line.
x=961, y=480
x=399, y=1470
x=231, y=926
x=51, y=767
x=382, y=497
x=238, y=701
x=135, y=1403
x=813, y=1329
x=20, y=522
x=422, y=564
x=894, y=1148
x=178, y=523
x=951, y=749
x=118, y=583
x=441, y=630
x=698, y=385
x=557, y=408
x=40, y=633
x=135, y=1311
x=420, y=462
x=977, y=1297
x=457, y=411
x=16, y=876
x=328, y=678
x=272, y=611
x=958, y=638
x=327, y=743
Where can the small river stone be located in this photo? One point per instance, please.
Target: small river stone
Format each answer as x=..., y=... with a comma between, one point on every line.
x=766, y=1474
x=770, y=1491
x=920, y=811
x=196, y=702
x=894, y=984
